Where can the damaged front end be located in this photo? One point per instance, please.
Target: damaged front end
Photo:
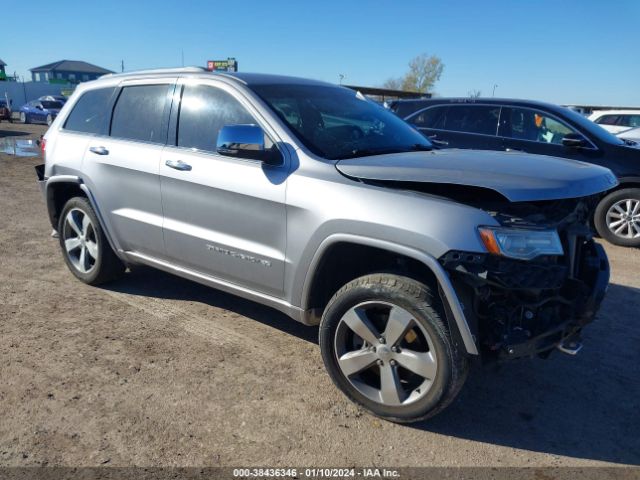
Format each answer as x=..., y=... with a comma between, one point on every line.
x=521, y=308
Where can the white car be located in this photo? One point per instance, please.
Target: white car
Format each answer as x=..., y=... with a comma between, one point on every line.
x=630, y=134
x=616, y=121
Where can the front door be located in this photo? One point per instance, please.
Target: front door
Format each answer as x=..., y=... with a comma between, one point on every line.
x=223, y=217
x=534, y=131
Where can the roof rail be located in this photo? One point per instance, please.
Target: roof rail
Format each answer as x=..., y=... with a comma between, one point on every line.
x=158, y=70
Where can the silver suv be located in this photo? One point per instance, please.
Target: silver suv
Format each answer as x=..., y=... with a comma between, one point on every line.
x=311, y=199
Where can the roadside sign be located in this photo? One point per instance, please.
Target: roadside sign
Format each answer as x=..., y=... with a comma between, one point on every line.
x=228, y=65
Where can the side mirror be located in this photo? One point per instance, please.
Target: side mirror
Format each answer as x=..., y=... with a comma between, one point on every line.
x=39, y=107
x=246, y=141
x=574, y=140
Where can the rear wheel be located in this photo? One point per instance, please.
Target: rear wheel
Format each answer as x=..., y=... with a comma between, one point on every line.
x=617, y=217
x=385, y=344
x=84, y=246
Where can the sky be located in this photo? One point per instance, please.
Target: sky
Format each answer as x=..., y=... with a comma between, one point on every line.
x=561, y=51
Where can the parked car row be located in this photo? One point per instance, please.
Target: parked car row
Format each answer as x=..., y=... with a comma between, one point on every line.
x=43, y=110
x=540, y=128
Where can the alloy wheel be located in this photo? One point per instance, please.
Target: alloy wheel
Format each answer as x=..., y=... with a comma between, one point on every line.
x=80, y=241
x=623, y=218
x=385, y=353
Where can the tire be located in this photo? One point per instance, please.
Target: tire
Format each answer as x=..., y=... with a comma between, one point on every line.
x=419, y=326
x=620, y=212
x=85, y=248
x=23, y=118
x=49, y=120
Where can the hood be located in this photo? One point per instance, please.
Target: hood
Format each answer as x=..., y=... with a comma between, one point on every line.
x=519, y=177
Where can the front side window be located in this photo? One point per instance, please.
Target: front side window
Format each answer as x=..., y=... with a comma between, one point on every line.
x=139, y=113
x=630, y=120
x=482, y=119
x=337, y=123
x=90, y=114
x=204, y=110
x=536, y=126
x=50, y=104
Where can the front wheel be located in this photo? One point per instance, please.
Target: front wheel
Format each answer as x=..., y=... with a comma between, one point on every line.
x=617, y=217
x=23, y=118
x=49, y=119
x=386, y=345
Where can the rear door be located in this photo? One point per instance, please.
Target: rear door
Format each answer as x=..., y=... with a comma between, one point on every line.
x=124, y=166
x=224, y=217
x=461, y=126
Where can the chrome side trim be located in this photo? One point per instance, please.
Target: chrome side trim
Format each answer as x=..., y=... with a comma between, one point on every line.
x=426, y=259
x=294, y=312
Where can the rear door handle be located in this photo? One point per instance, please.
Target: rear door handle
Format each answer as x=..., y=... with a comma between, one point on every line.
x=178, y=165
x=99, y=150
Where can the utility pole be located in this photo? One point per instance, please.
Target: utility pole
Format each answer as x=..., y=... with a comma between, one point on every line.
x=122, y=65
x=183, y=57
x=341, y=76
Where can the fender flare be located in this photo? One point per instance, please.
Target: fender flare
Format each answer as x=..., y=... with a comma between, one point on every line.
x=428, y=260
x=627, y=179
x=73, y=179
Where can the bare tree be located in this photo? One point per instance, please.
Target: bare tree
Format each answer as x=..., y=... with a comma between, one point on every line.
x=474, y=93
x=393, y=84
x=424, y=71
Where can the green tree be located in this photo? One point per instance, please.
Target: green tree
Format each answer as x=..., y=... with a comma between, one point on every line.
x=424, y=71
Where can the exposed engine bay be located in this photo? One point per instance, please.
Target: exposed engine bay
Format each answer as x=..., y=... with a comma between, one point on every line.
x=522, y=308
x=519, y=308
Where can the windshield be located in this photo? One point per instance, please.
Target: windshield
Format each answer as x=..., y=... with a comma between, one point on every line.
x=591, y=127
x=338, y=123
x=47, y=104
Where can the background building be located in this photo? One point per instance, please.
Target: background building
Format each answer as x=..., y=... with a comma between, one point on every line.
x=3, y=75
x=67, y=71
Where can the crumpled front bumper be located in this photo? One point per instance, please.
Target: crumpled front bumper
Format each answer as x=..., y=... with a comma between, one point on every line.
x=557, y=301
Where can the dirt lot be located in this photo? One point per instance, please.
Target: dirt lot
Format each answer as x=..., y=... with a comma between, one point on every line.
x=156, y=370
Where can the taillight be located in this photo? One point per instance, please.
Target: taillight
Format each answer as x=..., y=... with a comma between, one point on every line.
x=43, y=144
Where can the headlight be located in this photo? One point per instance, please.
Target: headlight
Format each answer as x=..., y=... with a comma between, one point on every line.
x=519, y=243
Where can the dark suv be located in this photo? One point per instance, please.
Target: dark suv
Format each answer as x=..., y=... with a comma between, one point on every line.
x=541, y=128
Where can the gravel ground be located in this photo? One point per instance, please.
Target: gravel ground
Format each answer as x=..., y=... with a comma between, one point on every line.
x=156, y=370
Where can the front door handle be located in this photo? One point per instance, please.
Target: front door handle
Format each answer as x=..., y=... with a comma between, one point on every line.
x=99, y=150
x=178, y=165
x=437, y=142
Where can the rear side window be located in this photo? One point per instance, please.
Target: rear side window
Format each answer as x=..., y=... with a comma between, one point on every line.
x=90, y=114
x=139, y=113
x=481, y=119
x=204, y=110
x=430, y=118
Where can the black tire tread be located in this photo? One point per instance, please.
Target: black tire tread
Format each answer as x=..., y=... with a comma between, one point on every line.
x=429, y=303
x=110, y=267
x=600, y=220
